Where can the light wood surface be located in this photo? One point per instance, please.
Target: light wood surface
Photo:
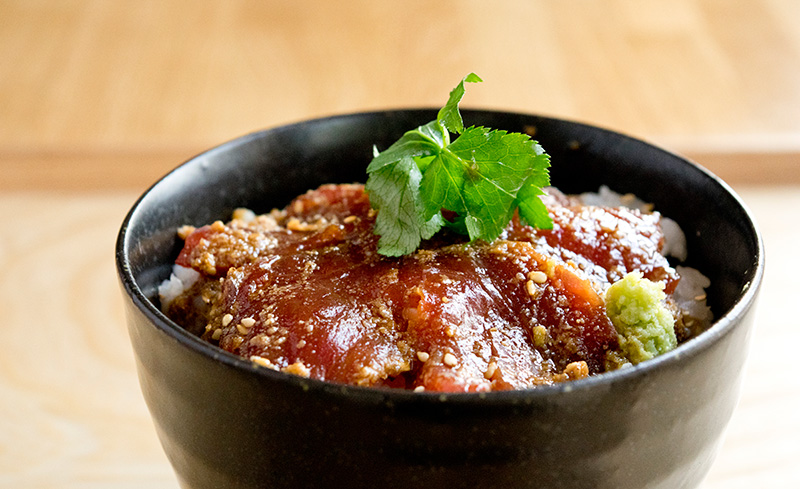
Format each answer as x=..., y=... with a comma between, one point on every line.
x=151, y=82
x=100, y=98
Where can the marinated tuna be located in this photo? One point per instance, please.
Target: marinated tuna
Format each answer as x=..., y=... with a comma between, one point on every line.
x=303, y=290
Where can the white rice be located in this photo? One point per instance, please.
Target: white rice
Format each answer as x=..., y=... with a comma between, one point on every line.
x=608, y=198
x=181, y=279
x=690, y=294
x=674, y=239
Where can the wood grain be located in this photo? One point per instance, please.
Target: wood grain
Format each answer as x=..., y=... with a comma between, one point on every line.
x=71, y=414
x=137, y=170
x=102, y=78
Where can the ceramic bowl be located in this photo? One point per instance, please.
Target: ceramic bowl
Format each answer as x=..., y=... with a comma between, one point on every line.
x=225, y=423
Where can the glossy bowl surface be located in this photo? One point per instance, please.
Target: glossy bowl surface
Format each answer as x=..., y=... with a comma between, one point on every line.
x=225, y=423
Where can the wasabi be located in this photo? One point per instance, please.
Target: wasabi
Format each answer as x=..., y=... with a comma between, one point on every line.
x=637, y=309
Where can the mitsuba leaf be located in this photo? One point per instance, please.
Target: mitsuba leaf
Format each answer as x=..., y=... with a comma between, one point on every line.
x=442, y=183
x=449, y=116
x=394, y=190
x=495, y=164
x=481, y=178
x=531, y=208
x=422, y=141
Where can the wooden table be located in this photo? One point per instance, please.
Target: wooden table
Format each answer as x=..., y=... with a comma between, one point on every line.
x=98, y=99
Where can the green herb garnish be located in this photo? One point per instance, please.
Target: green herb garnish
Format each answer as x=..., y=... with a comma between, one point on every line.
x=482, y=176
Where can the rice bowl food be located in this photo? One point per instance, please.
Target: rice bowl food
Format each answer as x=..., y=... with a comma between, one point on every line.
x=304, y=291
x=228, y=421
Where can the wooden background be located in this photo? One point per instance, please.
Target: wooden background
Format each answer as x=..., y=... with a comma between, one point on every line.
x=100, y=98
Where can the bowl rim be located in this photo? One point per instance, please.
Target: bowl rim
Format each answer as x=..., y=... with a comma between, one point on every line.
x=720, y=327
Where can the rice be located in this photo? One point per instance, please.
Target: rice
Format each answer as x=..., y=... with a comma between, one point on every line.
x=608, y=198
x=690, y=295
x=181, y=279
x=674, y=240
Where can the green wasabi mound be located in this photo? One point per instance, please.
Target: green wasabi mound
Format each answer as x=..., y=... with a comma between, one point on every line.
x=637, y=309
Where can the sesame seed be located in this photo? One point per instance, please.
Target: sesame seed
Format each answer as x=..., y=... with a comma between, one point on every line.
x=242, y=214
x=700, y=297
x=259, y=341
x=226, y=319
x=260, y=361
x=350, y=219
x=295, y=224
x=450, y=360
x=297, y=368
x=301, y=343
x=419, y=388
x=280, y=340
x=530, y=287
x=423, y=356
x=490, y=370
x=185, y=231
x=577, y=370
x=272, y=330
x=216, y=334
x=539, y=335
x=538, y=276
x=241, y=329
x=248, y=322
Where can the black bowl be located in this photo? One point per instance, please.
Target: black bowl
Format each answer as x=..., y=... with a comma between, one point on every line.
x=225, y=423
